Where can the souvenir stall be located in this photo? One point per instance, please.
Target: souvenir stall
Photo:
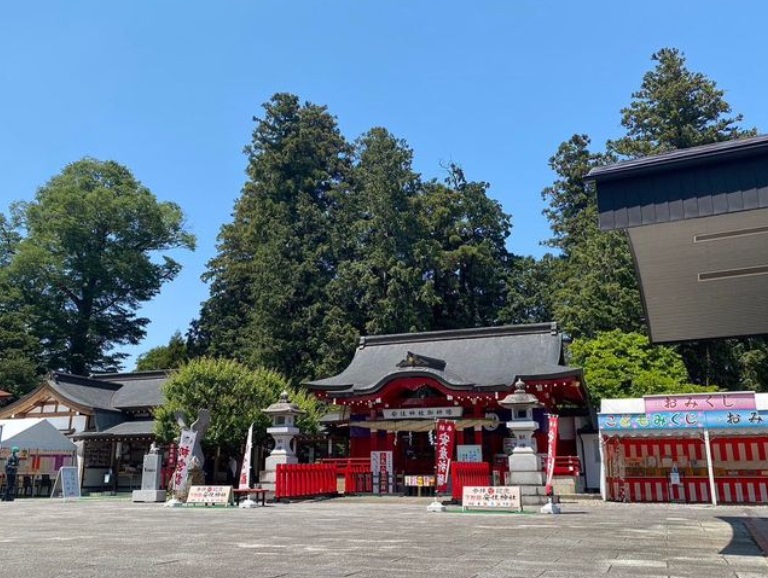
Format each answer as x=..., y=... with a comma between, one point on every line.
x=705, y=448
x=43, y=451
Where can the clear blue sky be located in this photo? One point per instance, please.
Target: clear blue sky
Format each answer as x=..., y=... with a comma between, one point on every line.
x=169, y=89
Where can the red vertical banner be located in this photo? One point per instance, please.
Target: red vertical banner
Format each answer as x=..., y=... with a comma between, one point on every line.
x=446, y=435
x=551, y=450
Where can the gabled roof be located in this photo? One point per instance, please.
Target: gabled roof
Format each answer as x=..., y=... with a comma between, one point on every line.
x=84, y=391
x=142, y=389
x=465, y=359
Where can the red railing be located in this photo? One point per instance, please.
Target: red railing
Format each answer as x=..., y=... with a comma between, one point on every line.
x=567, y=466
x=468, y=474
x=305, y=480
x=356, y=472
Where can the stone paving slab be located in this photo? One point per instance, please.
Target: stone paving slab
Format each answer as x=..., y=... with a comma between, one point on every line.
x=378, y=539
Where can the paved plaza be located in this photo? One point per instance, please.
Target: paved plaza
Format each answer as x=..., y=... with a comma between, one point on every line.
x=365, y=538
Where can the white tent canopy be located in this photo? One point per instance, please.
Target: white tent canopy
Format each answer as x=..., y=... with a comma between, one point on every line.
x=34, y=434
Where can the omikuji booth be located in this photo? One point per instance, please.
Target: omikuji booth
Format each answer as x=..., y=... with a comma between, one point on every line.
x=690, y=448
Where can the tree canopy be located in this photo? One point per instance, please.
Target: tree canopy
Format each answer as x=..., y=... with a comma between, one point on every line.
x=86, y=260
x=235, y=396
x=169, y=356
x=625, y=364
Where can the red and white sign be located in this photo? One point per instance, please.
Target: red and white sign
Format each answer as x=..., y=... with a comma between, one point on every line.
x=551, y=450
x=184, y=453
x=382, y=472
x=245, y=471
x=446, y=434
x=494, y=497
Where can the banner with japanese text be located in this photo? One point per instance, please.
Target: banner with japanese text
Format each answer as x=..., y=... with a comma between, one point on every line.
x=444, y=440
x=552, y=432
x=184, y=453
x=382, y=472
x=245, y=471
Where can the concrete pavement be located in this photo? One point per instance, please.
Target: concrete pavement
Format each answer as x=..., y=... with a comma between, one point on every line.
x=375, y=537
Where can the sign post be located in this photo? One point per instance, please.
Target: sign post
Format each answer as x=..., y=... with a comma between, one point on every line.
x=446, y=433
x=67, y=483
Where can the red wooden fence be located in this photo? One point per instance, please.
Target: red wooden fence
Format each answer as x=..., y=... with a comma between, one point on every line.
x=468, y=474
x=305, y=480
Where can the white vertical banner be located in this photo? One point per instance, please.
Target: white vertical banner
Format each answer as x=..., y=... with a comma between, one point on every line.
x=245, y=471
x=184, y=454
x=381, y=471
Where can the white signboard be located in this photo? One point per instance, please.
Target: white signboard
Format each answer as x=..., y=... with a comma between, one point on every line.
x=492, y=498
x=382, y=472
x=212, y=495
x=67, y=484
x=423, y=412
x=469, y=453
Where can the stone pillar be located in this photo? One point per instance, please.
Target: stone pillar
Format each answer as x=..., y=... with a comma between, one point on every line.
x=151, y=479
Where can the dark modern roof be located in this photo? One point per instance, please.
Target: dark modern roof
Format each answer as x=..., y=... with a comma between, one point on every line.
x=703, y=181
x=138, y=428
x=697, y=222
x=461, y=359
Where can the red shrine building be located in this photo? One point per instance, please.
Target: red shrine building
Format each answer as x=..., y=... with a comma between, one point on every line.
x=397, y=386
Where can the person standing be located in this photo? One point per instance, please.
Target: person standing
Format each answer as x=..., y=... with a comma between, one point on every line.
x=11, y=469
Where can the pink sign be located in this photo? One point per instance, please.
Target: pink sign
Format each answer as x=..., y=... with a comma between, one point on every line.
x=699, y=402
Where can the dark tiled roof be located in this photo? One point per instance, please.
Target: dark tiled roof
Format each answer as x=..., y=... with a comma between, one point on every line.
x=84, y=391
x=474, y=358
x=140, y=389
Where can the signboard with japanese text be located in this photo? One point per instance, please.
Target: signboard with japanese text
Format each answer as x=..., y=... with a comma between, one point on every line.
x=382, y=471
x=213, y=495
x=423, y=412
x=682, y=420
x=184, y=454
x=491, y=497
x=419, y=481
x=67, y=483
x=699, y=402
x=444, y=440
x=469, y=453
x=551, y=450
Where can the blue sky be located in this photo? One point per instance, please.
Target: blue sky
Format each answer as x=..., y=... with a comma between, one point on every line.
x=169, y=89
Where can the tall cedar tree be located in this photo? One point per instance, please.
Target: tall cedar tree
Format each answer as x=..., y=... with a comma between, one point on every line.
x=466, y=262
x=379, y=279
x=87, y=262
x=268, y=282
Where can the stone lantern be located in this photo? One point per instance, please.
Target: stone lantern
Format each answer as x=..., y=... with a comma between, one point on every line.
x=283, y=415
x=524, y=467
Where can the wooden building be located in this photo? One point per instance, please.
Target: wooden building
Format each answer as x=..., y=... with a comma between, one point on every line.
x=396, y=386
x=109, y=417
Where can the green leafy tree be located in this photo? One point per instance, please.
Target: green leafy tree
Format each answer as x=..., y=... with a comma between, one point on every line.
x=236, y=397
x=19, y=349
x=169, y=356
x=464, y=255
x=529, y=290
x=675, y=108
x=87, y=262
x=378, y=279
x=268, y=281
x=618, y=365
x=593, y=287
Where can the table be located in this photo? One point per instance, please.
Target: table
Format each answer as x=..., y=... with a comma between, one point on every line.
x=237, y=493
